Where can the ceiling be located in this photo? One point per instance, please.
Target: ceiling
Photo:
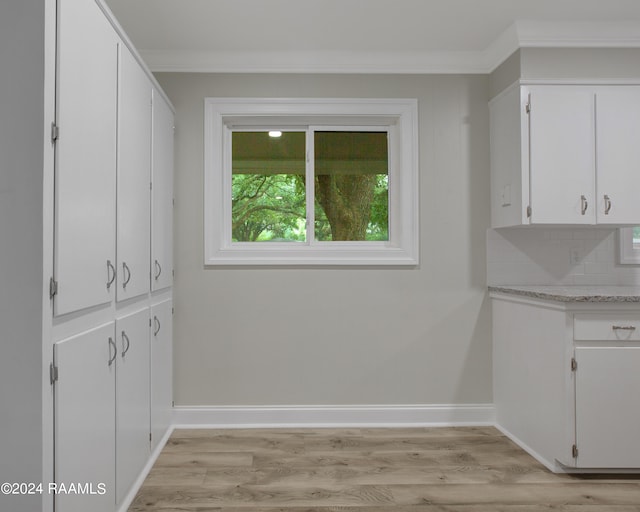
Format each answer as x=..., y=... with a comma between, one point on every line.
x=365, y=35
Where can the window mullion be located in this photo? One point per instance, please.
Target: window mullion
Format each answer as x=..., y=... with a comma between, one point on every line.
x=310, y=187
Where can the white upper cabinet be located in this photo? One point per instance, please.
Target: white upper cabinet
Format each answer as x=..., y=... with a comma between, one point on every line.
x=134, y=178
x=561, y=158
x=162, y=195
x=85, y=181
x=618, y=154
x=565, y=154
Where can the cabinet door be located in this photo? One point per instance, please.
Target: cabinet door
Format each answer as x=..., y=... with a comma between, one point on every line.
x=134, y=178
x=618, y=154
x=607, y=412
x=561, y=159
x=85, y=157
x=132, y=399
x=161, y=370
x=162, y=196
x=84, y=419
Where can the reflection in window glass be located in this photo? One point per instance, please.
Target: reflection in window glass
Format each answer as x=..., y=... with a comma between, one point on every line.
x=636, y=237
x=268, y=187
x=351, y=186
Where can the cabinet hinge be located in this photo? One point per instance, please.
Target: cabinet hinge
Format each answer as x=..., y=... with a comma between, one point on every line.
x=574, y=364
x=53, y=373
x=55, y=132
x=151, y=185
x=528, y=212
x=149, y=322
x=574, y=451
x=527, y=107
x=53, y=288
x=173, y=311
x=150, y=436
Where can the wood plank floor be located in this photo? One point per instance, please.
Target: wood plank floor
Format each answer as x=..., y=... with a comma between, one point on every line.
x=469, y=469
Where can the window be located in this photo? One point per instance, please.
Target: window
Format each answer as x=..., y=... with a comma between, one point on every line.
x=630, y=246
x=312, y=181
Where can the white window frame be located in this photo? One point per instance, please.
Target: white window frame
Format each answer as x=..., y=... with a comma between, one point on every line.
x=629, y=254
x=399, y=117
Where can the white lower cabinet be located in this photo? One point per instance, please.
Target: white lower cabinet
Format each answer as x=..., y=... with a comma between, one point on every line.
x=161, y=370
x=132, y=399
x=113, y=395
x=84, y=420
x=607, y=412
x=566, y=381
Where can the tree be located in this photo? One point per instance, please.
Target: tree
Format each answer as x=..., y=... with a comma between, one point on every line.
x=267, y=207
x=272, y=207
x=346, y=200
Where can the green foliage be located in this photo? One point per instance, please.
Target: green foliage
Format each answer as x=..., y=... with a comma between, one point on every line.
x=268, y=207
x=272, y=208
x=378, y=228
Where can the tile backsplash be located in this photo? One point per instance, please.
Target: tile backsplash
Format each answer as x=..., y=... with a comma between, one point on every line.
x=556, y=256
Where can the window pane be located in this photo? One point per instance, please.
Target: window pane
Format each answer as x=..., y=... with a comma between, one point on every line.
x=636, y=237
x=351, y=186
x=268, y=187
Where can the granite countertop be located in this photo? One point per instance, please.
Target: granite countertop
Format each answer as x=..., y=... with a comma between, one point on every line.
x=574, y=293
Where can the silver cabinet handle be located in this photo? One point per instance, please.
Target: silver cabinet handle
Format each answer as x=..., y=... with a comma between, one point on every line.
x=158, y=269
x=607, y=204
x=112, y=344
x=623, y=327
x=111, y=274
x=157, y=322
x=584, y=203
x=127, y=272
x=125, y=338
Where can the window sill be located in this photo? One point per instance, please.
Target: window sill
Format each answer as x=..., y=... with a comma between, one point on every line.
x=293, y=254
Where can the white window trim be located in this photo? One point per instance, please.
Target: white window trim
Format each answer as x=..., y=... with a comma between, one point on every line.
x=629, y=255
x=398, y=116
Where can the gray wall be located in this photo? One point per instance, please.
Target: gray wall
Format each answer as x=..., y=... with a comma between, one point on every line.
x=566, y=64
x=21, y=165
x=580, y=63
x=505, y=74
x=295, y=336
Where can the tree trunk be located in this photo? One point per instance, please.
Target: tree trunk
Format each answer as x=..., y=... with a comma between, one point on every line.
x=346, y=200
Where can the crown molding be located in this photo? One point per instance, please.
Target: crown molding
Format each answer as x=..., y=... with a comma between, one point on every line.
x=521, y=34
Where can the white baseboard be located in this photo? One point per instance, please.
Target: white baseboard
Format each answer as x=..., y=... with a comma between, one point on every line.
x=333, y=416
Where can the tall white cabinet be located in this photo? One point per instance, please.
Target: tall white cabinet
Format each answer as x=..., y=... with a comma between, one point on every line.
x=85, y=176
x=162, y=196
x=133, y=178
x=101, y=295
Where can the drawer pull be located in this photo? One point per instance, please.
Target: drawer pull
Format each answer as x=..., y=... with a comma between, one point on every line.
x=623, y=328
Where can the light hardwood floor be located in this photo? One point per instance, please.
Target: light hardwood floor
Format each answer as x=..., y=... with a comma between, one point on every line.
x=469, y=469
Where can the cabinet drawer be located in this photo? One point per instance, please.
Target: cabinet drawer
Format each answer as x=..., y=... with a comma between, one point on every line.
x=607, y=327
